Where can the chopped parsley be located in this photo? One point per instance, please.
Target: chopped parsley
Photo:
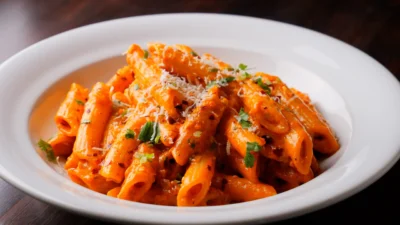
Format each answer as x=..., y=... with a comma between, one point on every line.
x=146, y=54
x=150, y=132
x=123, y=114
x=242, y=66
x=249, y=158
x=194, y=53
x=244, y=75
x=263, y=85
x=197, y=133
x=86, y=121
x=144, y=157
x=230, y=69
x=136, y=87
x=79, y=102
x=46, y=148
x=129, y=134
x=221, y=82
x=243, y=119
x=213, y=70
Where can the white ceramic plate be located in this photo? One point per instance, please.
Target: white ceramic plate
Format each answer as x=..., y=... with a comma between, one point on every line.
x=358, y=96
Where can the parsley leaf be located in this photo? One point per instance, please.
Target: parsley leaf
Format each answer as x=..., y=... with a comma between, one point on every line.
x=213, y=70
x=194, y=53
x=46, y=148
x=197, y=134
x=123, y=114
x=244, y=75
x=249, y=158
x=210, y=84
x=242, y=66
x=136, y=87
x=230, y=69
x=263, y=85
x=144, y=157
x=129, y=134
x=79, y=102
x=86, y=122
x=252, y=146
x=146, y=54
x=244, y=119
x=243, y=115
x=150, y=132
x=245, y=124
x=221, y=82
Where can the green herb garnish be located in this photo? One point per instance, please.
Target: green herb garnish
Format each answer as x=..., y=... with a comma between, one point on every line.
x=197, y=133
x=263, y=85
x=146, y=54
x=150, y=132
x=249, y=158
x=194, y=53
x=129, y=134
x=242, y=66
x=244, y=119
x=136, y=87
x=79, y=102
x=46, y=148
x=213, y=70
x=144, y=157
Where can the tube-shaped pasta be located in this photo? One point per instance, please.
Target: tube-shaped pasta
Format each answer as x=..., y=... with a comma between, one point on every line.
x=114, y=192
x=72, y=162
x=121, y=80
x=120, y=154
x=62, y=144
x=323, y=137
x=298, y=144
x=201, y=123
x=148, y=74
x=237, y=162
x=295, y=147
x=87, y=175
x=141, y=173
x=187, y=65
x=284, y=177
x=262, y=108
x=197, y=180
x=215, y=197
x=114, y=126
x=94, y=120
x=169, y=169
x=237, y=136
x=169, y=133
x=241, y=189
x=68, y=117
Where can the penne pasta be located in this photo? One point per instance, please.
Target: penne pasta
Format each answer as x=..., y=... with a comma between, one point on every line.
x=62, y=144
x=141, y=173
x=176, y=128
x=68, y=117
x=202, y=122
x=323, y=138
x=197, y=180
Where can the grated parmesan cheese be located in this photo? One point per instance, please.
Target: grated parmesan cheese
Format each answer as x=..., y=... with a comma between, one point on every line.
x=100, y=149
x=228, y=148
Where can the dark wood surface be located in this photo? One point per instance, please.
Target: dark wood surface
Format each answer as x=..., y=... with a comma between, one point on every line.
x=372, y=26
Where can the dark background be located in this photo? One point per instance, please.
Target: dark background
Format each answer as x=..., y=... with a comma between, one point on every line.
x=371, y=26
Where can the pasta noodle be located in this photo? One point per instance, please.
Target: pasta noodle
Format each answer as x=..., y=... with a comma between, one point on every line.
x=178, y=128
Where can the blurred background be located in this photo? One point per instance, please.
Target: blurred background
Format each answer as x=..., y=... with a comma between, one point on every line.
x=371, y=26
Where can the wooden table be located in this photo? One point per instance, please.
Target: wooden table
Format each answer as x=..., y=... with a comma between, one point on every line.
x=372, y=26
